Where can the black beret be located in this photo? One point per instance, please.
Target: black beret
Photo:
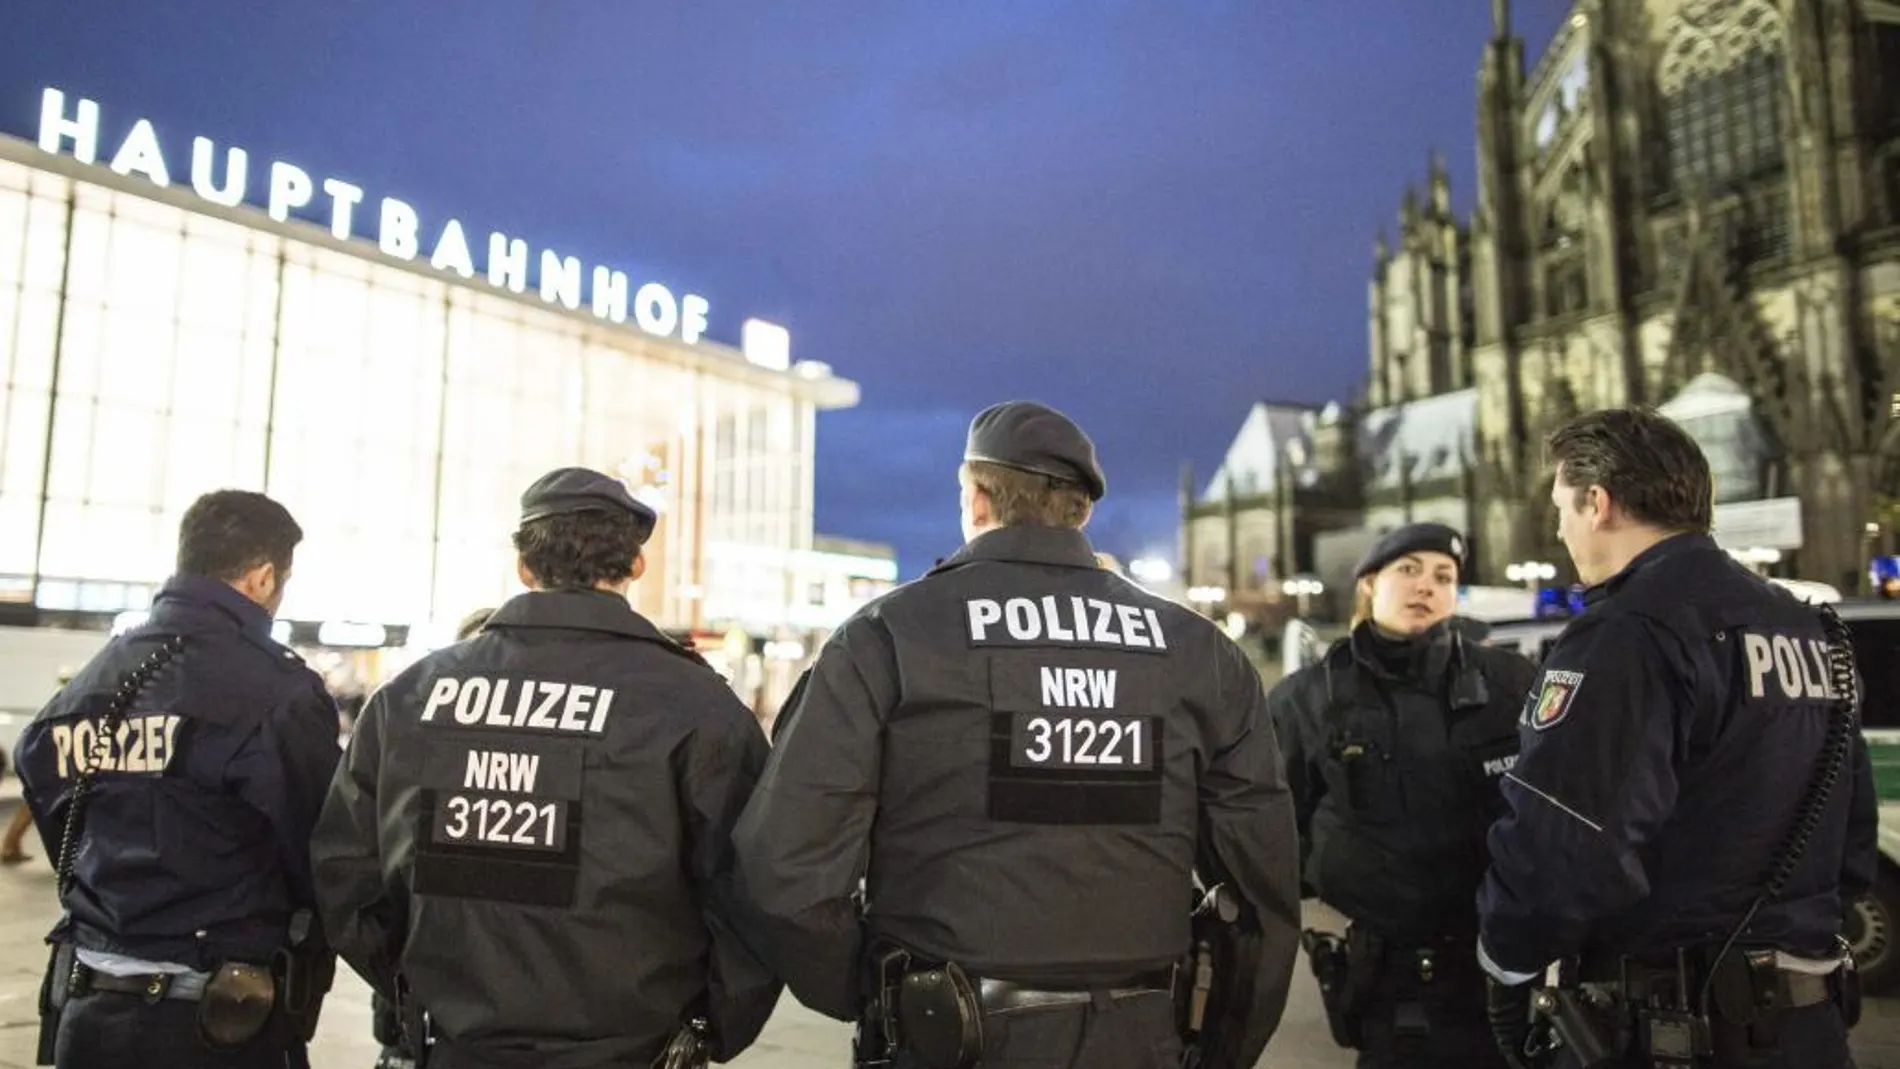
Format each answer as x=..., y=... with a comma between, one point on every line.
x=567, y=490
x=1413, y=538
x=1031, y=437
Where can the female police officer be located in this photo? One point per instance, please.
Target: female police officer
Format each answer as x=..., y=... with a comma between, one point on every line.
x=1394, y=743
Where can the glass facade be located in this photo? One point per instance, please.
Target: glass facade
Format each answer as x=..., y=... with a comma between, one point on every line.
x=150, y=352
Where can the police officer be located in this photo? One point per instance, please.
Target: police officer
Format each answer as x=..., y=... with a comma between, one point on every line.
x=1026, y=758
x=528, y=839
x=1394, y=744
x=176, y=779
x=1655, y=839
x=385, y=1023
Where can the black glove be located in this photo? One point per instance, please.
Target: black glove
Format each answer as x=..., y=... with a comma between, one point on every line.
x=1509, y=1009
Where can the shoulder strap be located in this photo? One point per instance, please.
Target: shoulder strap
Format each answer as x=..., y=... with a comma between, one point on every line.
x=129, y=690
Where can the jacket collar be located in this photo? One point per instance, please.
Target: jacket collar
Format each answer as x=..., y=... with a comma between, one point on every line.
x=197, y=592
x=1064, y=547
x=582, y=610
x=1668, y=547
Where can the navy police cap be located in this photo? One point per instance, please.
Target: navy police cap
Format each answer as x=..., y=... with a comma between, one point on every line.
x=569, y=490
x=1036, y=438
x=1413, y=538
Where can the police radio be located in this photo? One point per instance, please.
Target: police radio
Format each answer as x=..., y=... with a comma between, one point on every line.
x=129, y=690
x=1675, y=1031
x=1812, y=808
x=62, y=971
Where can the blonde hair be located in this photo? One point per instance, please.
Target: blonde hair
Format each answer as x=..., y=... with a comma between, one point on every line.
x=1362, y=600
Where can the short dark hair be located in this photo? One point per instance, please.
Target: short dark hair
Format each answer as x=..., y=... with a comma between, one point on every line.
x=226, y=533
x=1649, y=465
x=579, y=550
x=1026, y=497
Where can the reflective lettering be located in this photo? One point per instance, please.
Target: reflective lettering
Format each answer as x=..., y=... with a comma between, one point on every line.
x=983, y=612
x=1787, y=666
x=1761, y=659
x=1130, y=618
x=440, y=694
x=601, y=703
x=1056, y=631
x=63, y=749
x=472, y=701
x=497, y=708
x=1154, y=629
x=1019, y=615
x=1078, y=688
x=578, y=702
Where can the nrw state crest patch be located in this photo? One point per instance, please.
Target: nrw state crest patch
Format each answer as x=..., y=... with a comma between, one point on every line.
x=1550, y=703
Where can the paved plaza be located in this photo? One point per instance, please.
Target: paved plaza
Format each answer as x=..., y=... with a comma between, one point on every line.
x=796, y=1038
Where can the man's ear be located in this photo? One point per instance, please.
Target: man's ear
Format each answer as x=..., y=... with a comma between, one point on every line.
x=522, y=573
x=639, y=565
x=1603, y=508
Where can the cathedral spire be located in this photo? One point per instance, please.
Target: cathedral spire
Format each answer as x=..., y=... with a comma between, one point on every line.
x=1501, y=18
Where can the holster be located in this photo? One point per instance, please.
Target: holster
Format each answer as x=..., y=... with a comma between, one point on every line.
x=417, y=1042
x=687, y=1049
x=940, y=1017
x=55, y=987
x=875, y=1041
x=1332, y=968
x=304, y=972
x=236, y=1006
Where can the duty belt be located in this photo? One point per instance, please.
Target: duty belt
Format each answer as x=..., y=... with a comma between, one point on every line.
x=1793, y=990
x=152, y=987
x=1003, y=996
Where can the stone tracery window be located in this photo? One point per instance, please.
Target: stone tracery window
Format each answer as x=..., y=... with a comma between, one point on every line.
x=1722, y=83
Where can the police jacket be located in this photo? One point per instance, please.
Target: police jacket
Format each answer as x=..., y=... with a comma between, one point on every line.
x=1394, y=750
x=531, y=829
x=196, y=839
x=1672, y=735
x=1026, y=757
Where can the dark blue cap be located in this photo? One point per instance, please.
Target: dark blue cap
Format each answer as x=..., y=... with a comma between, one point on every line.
x=569, y=490
x=1036, y=438
x=1413, y=538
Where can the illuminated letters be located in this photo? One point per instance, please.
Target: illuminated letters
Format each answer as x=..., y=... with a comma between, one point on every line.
x=71, y=127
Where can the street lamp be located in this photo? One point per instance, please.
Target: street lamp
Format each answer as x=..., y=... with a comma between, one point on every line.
x=1151, y=571
x=1530, y=573
x=1302, y=588
x=1206, y=597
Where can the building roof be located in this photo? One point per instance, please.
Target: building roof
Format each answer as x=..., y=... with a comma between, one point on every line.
x=1273, y=433
x=1434, y=436
x=1708, y=394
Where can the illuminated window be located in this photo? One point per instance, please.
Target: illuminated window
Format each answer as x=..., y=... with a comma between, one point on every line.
x=32, y=250
x=1722, y=85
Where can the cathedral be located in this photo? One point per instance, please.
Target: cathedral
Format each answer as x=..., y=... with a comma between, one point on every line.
x=1689, y=204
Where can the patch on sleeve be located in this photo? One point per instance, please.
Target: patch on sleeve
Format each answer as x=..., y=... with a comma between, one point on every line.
x=1550, y=703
